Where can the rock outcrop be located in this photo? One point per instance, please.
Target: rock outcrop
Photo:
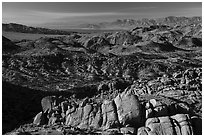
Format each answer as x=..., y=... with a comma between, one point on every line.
x=124, y=110
x=178, y=124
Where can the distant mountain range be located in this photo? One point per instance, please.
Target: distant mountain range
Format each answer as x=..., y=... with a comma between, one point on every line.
x=131, y=23
x=27, y=29
x=119, y=24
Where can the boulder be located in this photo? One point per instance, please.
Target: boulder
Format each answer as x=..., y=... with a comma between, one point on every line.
x=143, y=131
x=48, y=103
x=182, y=124
x=157, y=126
x=86, y=120
x=74, y=118
x=128, y=130
x=97, y=117
x=156, y=109
x=39, y=119
x=178, y=124
x=128, y=109
x=109, y=113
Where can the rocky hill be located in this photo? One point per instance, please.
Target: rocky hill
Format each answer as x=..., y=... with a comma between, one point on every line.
x=83, y=83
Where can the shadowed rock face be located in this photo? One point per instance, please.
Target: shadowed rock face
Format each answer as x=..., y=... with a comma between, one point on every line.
x=144, y=81
x=8, y=46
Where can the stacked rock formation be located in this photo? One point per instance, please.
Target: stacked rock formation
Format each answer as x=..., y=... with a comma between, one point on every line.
x=122, y=115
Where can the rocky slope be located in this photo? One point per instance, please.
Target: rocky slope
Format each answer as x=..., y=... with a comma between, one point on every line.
x=83, y=83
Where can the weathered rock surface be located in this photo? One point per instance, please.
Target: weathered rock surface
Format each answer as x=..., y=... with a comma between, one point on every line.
x=110, y=119
x=128, y=109
x=48, y=103
x=178, y=124
x=39, y=119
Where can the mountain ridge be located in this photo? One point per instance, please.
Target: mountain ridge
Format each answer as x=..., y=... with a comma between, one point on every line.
x=131, y=23
x=14, y=27
x=123, y=24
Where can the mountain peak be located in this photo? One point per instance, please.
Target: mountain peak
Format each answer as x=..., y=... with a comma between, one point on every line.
x=132, y=23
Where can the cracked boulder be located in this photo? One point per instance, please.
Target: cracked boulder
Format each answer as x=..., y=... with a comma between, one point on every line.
x=178, y=124
x=128, y=109
x=109, y=111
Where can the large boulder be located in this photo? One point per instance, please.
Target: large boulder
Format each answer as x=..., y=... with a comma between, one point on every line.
x=97, y=116
x=178, y=124
x=48, y=103
x=160, y=126
x=40, y=119
x=109, y=112
x=86, y=120
x=182, y=124
x=74, y=118
x=128, y=109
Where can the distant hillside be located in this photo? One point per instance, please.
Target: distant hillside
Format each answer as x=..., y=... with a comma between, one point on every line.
x=27, y=29
x=131, y=23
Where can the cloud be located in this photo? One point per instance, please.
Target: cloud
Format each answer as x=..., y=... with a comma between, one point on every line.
x=142, y=8
x=54, y=15
x=38, y=17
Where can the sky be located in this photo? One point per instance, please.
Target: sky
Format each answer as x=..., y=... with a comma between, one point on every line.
x=65, y=14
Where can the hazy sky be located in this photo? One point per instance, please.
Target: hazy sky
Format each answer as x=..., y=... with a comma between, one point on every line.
x=52, y=14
